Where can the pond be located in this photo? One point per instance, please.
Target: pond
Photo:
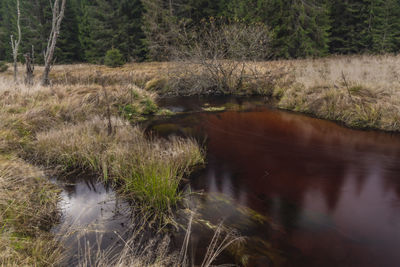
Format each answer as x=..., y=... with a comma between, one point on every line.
x=303, y=191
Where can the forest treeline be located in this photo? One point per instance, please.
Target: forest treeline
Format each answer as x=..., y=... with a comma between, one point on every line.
x=145, y=29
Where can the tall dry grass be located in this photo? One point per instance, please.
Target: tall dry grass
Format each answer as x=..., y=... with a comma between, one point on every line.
x=55, y=123
x=25, y=111
x=28, y=208
x=138, y=249
x=148, y=170
x=359, y=91
x=66, y=126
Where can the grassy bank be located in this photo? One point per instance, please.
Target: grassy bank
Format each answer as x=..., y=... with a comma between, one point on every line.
x=28, y=208
x=88, y=127
x=359, y=91
x=80, y=128
x=148, y=170
x=87, y=121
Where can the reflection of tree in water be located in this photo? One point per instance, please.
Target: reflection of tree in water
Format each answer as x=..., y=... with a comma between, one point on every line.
x=282, y=155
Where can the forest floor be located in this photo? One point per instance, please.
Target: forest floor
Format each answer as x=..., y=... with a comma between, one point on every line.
x=84, y=122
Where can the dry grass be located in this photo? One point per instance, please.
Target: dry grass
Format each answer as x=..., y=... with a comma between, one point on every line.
x=66, y=125
x=148, y=170
x=360, y=91
x=28, y=208
x=25, y=111
x=55, y=125
x=157, y=251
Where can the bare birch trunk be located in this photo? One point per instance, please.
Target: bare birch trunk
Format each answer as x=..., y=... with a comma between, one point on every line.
x=58, y=15
x=15, y=43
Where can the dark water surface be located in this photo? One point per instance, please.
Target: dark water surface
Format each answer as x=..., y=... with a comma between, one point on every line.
x=94, y=219
x=334, y=192
x=305, y=192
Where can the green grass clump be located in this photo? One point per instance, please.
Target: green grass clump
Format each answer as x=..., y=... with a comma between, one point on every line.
x=150, y=107
x=146, y=169
x=129, y=111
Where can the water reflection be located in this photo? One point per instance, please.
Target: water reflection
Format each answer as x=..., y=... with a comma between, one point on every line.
x=93, y=217
x=334, y=191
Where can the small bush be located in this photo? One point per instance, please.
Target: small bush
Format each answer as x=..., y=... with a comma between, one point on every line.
x=129, y=111
x=3, y=66
x=114, y=58
x=149, y=106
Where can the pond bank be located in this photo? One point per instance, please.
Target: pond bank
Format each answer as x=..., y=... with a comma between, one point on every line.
x=82, y=129
x=28, y=209
x=311, y=180
x=67, y=126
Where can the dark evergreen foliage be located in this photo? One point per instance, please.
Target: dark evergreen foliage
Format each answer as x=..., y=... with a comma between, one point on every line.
x=113, y=58
x=144, y=29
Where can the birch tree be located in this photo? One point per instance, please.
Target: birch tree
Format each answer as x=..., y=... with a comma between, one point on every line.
x=58, y=10
x=15, y=43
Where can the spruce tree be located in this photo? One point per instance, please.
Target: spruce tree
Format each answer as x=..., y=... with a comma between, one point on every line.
x=300, y=28
x=129, y=38
x=68, y=46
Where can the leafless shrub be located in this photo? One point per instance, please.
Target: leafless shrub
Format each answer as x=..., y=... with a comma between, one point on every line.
x=217, y=58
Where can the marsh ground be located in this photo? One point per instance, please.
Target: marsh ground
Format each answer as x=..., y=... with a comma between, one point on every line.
x=85, y=121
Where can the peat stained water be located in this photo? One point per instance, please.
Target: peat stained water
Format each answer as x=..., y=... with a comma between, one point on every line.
x=303, y=191
x=94, y=220
x=332, y=193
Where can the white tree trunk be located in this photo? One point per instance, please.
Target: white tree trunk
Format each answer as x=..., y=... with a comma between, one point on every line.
x=15, y=43
x=58, y=15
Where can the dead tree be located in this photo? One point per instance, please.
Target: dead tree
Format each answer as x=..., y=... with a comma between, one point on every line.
x=30, y=67
x=15, y=43
x=58, y=15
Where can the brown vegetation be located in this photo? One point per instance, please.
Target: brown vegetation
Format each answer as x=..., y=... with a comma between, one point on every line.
x=360, y=91
x=66, y=125
x=28, y=208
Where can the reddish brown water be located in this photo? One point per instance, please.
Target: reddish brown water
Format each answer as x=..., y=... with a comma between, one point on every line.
x=332, y=194
x=333, y=191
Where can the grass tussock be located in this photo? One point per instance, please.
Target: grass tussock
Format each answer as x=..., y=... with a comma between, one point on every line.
x=54, y=125
x=25, y=111
x=359, y=91
x=146, y=169
x=76, y=126
x=28, y=208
